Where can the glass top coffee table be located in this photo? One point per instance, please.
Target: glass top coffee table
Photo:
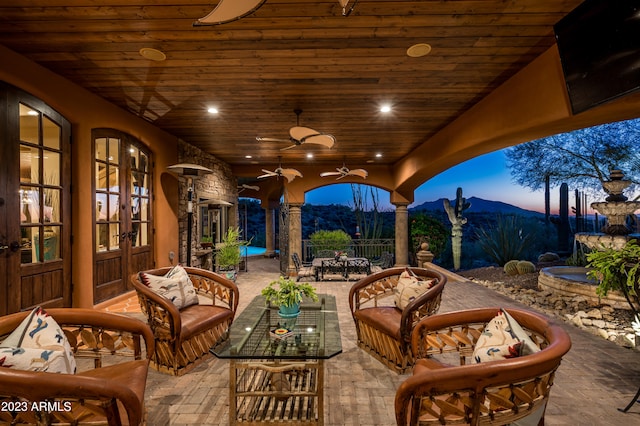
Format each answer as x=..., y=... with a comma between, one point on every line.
x=276, y=371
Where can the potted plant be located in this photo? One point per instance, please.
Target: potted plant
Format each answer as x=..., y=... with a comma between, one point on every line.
x=206, y=242
x=617, y=269
x=228, y=254
x=288, y=294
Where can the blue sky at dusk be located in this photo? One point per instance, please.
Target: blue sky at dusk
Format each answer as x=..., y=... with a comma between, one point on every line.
x=485, y=177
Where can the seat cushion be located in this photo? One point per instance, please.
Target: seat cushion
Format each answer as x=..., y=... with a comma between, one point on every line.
x=132, y=374
x=385, y=319
x=198, y=318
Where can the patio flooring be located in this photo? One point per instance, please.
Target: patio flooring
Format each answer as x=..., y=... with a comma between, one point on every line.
x=595, y=379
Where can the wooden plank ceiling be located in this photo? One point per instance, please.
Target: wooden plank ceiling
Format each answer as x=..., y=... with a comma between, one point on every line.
x=288, y=54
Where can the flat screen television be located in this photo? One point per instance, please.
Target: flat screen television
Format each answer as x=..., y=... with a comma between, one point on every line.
x=599, y=45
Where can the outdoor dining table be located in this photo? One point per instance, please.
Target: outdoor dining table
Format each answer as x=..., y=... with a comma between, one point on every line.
x=323, y=265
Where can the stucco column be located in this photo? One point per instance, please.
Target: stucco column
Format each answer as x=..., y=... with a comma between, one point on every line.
x=295, y=234
x=402, y=234
x=269, y=232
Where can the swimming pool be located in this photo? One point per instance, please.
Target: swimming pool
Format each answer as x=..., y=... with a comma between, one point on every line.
x=253, y=251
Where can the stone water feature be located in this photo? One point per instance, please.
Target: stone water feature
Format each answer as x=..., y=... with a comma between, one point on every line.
x=572, y=280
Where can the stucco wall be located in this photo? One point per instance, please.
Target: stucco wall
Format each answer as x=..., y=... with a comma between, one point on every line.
x=86, y=111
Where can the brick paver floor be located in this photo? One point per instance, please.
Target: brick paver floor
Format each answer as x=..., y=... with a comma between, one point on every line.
x=596, y=377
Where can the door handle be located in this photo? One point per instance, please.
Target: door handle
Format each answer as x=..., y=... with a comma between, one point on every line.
x=13, y=246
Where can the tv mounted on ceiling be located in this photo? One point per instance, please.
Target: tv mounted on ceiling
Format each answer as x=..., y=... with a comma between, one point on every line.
x=599, y=44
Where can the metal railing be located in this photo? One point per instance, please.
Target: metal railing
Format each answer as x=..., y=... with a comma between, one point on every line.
x=370, y=249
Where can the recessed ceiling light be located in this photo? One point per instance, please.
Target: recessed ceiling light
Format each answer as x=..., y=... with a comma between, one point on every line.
x=212, y=110
x=248, y=156
x=378, y=155
x=385, y=108
x=418, y=50
x=309, y=155
x=152, y=54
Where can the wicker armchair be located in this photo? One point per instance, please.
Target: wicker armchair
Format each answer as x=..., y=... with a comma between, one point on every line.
x=108, y=387
x=184, y=337
x=490, y=393
x=384, y=330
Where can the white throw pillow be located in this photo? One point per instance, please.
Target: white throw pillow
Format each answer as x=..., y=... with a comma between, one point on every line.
x=410, y=287
x=503, y=338
x=38, y=344
x=175, y=285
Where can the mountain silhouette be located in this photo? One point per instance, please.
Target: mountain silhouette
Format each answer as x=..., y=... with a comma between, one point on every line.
x=478, y=205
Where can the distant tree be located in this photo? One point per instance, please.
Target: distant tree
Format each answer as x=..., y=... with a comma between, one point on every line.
x=582, y=158
x=425, y=228
x=366, y=202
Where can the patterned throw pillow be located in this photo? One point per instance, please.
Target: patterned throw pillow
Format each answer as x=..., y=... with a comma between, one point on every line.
x=38, y=344
x=503, y=338
x=175, y=285
x=409, y=288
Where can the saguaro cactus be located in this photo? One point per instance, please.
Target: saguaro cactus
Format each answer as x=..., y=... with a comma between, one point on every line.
x=563, y=226
x=457, y=220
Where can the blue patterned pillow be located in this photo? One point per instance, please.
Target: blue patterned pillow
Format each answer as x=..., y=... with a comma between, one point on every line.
x=38, y=344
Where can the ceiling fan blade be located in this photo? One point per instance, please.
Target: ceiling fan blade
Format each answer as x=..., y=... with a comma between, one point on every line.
x=290, y=174
x=267, y=173
x=320, y=139
x=300, y=132
x=289, y=147
x=325, y=174
x=230, y=10
x=258, y=138
x=253, y=187
x=359, y=172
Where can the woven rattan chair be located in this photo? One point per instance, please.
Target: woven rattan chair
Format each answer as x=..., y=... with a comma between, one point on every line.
x=489, y=393
x=384, y=330
x=184, y=337
x=108, y=388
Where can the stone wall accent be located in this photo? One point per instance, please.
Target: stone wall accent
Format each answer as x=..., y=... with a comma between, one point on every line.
x=599, y=319
x=220, y=185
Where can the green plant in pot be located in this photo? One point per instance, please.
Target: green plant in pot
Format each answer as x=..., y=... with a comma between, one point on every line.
x=618, y=269
x=228, y=254
x=288, y=294
x=206, y=242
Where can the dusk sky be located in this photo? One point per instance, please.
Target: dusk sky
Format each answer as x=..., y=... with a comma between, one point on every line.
x=485, y=177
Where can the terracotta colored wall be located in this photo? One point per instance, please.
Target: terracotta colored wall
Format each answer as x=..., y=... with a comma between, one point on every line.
x=86, y=111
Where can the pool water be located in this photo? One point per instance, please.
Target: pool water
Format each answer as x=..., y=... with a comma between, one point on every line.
x=253, y=251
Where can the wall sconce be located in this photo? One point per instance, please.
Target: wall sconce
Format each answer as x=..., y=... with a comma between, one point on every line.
x=191, y=172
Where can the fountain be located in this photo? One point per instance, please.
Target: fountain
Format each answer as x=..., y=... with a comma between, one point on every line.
x=572, y=280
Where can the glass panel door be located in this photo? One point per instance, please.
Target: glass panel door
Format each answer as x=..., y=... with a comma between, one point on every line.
x=40, y=189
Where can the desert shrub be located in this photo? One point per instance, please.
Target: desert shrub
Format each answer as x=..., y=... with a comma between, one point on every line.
x=330, y=240
x=579, y=256
x=423, y=227
x=506, y=240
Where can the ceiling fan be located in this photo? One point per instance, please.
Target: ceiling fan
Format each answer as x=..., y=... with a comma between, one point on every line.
x=289, y=174
x=299, y=135
x=344, y=171
x=244, y=187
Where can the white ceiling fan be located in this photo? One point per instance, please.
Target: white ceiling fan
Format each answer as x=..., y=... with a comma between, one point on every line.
x=344, y=171
x=244, y=187
x=299, y=135
x=289, y=174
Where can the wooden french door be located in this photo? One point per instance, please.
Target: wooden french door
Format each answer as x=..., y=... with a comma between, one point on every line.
x=35, y=204
x=122, y=212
